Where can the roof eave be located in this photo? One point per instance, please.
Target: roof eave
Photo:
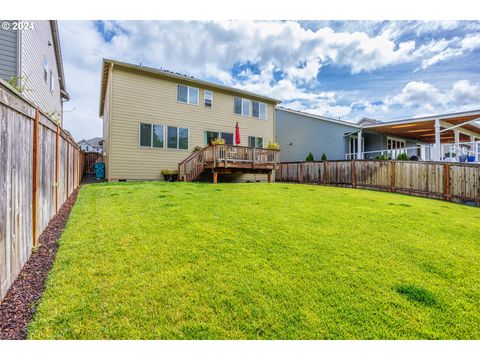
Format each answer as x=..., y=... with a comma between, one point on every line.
x=58, y=57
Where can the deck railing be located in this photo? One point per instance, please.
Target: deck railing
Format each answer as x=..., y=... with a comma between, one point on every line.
x=194, y=165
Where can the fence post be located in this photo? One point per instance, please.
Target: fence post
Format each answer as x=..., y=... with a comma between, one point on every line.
x=325, y=172
x=35, y=176
x=354, y=179
x=301, y=173
x=56, y=169
x=447, y=182
x=393, y=175
x=68, y=168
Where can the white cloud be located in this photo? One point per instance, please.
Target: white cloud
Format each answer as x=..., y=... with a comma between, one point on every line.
x=209, y=50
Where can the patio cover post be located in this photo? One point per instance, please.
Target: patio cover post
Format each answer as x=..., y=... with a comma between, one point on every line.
x=359, y=145
x=457, y=142
x=474, y=147
x=438, y=149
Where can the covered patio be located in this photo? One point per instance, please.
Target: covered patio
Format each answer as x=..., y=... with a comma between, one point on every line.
x=448, y=137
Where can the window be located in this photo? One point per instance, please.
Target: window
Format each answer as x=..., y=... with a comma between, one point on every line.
x=187, y=94
x=256, y=142
x=146, y=135
x=263, y=111
x=45, y=69
x=245, y=107
x=177, y=138
x=52, y=82
x=394, y=144
x=211, y=135
x=157, y=136
x=87, y=147
x=237, y=105
x=208, y=98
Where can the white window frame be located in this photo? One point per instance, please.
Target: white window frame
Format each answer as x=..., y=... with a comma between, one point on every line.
x=259, y=111
x=397, y=141
x=45, y=69
x=205, y=98
x=52, y=82
x=188, y=95
x=165, y=142
x=151, y=136
x=249, y=107
x=256, y=138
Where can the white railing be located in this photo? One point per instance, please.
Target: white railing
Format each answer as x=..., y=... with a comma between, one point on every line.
x=461, y=152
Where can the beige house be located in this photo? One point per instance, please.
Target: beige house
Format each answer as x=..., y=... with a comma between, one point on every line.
x=153, y=119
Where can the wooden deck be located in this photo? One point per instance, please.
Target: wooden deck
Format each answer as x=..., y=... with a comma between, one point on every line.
x=227, y=159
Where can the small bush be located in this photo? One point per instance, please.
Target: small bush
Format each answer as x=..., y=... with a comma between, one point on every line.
x=383, y=157
x=218, y=142
x=402, y=156
x=168, y=172
x=273, y=146
x=324, y=157
x=196, y=149
x=309, y=157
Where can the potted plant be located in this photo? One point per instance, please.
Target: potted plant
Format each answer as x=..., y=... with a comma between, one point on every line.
x=218, y=142
x=169, y=175
x=196, y=149
x=273, y=146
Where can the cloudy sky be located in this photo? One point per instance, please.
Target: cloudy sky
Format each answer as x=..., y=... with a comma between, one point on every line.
x=342, y=69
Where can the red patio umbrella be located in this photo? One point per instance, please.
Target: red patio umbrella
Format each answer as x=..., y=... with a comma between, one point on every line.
x=237, y=134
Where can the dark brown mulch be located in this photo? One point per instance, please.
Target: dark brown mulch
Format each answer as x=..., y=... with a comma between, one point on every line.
x=20, y=303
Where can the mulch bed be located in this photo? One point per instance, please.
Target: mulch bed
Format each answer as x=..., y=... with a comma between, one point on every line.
x=20, y=303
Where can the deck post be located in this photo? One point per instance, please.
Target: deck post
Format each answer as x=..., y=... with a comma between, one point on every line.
x=359, y=146
x=215, y=177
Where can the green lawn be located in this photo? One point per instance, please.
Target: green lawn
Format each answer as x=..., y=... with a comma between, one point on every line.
x=262, y=261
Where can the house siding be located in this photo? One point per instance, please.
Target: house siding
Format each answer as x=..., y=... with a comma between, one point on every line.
x=309, y=134
x=8, y=53
x=34, y=46
x=137, y=98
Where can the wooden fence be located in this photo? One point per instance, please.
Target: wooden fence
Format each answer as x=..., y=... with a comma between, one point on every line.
x=40, y=166
x=91, y=158
x=449, y=181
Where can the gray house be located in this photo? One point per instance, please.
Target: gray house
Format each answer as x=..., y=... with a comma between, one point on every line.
x=91, y=145
x=32, y=56
x=445, y=137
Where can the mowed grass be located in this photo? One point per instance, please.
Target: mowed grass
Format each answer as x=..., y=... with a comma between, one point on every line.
x=262, y=261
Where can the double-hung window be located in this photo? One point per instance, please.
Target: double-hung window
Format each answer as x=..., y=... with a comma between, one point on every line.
x=256, y=142
x=187, y=94
x=208, y=95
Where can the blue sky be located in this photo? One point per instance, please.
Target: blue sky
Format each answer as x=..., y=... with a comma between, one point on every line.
x=342, y=69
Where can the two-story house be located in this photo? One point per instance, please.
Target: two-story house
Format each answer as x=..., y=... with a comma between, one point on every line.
x=30, y=55
x=153, y=119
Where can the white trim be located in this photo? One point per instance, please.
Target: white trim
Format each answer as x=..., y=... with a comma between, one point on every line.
x=403, y=142
x=188, y=95
x=205, y=98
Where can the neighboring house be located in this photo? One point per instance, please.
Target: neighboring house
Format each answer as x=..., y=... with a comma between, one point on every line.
x=446, y=137
x=91, y=145
x=299, y=133
x=33, y=57
x=153, y=119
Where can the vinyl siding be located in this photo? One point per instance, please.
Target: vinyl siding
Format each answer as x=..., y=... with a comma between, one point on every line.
x=137, y=98
x=35, y=46
x=8, y=53
x=309, y=134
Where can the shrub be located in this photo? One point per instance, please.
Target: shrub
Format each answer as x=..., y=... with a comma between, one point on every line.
x=309, y=157
x=383, y=157
x=273, y=146
x=324, y=157
x=402, y=156
x=168, y=172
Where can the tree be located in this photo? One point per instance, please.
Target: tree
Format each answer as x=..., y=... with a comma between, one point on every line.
x=310, y=157
x=324, y=157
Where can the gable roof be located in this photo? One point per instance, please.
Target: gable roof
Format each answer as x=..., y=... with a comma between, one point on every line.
x=93, y=141
x=58, y=58
x=318, y=117
x=172, y=76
